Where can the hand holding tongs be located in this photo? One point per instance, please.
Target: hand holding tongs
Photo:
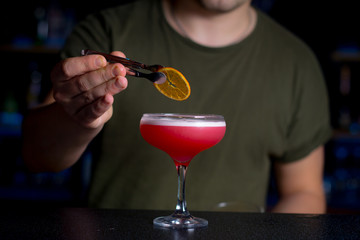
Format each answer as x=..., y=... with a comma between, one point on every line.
x=155, y=76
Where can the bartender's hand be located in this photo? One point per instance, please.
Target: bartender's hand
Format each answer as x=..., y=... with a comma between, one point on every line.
x=84, y=86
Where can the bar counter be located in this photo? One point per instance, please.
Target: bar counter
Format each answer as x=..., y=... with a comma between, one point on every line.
x=88, y=223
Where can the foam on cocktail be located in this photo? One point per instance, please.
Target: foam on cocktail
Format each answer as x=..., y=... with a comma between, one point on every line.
x=183, y=122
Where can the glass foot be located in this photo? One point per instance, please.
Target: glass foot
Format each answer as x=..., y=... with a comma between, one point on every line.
x=176, y=221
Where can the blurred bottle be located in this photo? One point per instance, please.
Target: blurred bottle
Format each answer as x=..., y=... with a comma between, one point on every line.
x=34, y=89
x=10, y=118
x=54, y=23
x=42, y=28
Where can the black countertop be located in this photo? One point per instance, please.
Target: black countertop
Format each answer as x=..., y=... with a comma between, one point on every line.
x=87, y=223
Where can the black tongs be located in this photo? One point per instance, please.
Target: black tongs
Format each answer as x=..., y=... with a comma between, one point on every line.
x=155, y=76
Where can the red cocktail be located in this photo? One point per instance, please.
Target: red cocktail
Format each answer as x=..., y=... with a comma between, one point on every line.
x=182, y=136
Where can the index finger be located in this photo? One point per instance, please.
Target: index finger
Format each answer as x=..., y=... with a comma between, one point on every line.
x=75, y=66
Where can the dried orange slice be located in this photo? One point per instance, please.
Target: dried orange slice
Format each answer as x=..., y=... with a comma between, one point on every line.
x=176, y=86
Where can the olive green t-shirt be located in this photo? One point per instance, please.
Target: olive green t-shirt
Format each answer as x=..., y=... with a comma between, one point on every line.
x=269, y=88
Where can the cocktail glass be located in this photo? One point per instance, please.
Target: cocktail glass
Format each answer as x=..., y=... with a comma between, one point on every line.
x=182, y=136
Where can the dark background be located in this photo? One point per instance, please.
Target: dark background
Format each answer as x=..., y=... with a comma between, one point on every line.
x=27, y=55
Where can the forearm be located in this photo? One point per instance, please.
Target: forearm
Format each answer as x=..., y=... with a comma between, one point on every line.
x=52, y=141
x=302, y=202
x=300, y=184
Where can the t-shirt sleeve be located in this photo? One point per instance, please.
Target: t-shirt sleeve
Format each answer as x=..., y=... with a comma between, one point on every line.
x=310, y=120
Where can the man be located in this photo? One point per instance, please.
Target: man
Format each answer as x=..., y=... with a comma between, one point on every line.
x=239, y=63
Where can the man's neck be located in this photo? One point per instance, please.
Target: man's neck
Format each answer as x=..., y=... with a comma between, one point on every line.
x=210, y=28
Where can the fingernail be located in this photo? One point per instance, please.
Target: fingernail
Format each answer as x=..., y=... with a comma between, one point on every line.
x=116, y=71
x=100, y=62
x=118, y=83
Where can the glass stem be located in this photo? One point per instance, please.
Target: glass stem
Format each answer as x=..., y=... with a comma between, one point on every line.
x=181, y=208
